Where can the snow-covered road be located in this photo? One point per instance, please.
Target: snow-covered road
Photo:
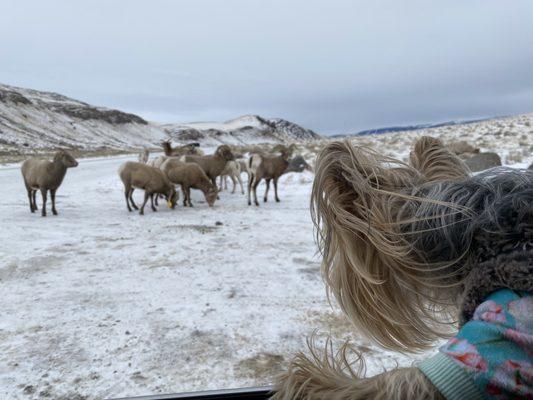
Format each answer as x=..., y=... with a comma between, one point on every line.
x=98, y=302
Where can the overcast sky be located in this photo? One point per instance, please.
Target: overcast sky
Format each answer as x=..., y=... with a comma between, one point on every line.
x=332, y=66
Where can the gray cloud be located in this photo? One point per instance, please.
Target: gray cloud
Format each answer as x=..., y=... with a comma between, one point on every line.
x=333, y=66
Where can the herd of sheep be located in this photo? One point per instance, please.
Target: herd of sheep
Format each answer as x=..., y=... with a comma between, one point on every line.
x=185, y=166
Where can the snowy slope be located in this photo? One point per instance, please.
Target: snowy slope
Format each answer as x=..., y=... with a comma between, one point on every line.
x=247, y=129
x=510, y=137
x=32, y=120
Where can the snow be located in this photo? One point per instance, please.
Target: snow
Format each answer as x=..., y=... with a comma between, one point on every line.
x=102, y=303
x=234, y=124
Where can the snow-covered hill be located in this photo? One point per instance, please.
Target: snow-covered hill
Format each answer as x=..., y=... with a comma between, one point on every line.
x=243, y=130
x=510, y=137
x=32, y=120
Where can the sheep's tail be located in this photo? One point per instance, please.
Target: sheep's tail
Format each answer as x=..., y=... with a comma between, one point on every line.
x=340, y=375
x=254, y=163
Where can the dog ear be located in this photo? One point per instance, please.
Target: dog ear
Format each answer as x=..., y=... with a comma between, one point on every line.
x=435, y=161
x=368, y=264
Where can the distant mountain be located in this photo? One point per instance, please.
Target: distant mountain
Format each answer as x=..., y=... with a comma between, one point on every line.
x=32, y=120
x=390, y=129
x=243, y=130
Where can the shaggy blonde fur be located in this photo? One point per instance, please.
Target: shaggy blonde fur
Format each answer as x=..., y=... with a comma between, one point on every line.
x=364, y=207
x=328, y=375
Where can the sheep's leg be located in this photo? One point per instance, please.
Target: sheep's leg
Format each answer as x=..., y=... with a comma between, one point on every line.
x=256, y=184
x=43, y=193
x=127, y=196
x=265, y=198
x=152, y=202
x=240, y=182
x=184, y=191
x=34, y=195
x=250, y=181
x=28, y=189
x=146, y=197
x=53, y=197
x=214, y=182
x=234, y=183
x=276, y=189
x=131, y=199
x=189, y=196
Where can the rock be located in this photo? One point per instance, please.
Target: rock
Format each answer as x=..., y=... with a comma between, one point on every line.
x=219, y=223
x=298, y=164
x=462, y=147
x=86, y=112
x=10, y=96
x=530, y=167
x=483, y=161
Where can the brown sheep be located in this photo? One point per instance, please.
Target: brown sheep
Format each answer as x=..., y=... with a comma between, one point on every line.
x=189, y=175
x=267, y=167
x=212, y=164
x=46, y=175
x=152, y=180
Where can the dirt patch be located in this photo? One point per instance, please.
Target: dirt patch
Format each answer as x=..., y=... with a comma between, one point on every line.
x=331, y=322
x=260, y=367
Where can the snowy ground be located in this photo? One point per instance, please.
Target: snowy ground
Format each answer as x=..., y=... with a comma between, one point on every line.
x=98, y=302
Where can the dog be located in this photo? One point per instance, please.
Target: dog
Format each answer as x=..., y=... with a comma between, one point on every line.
x=410, y=253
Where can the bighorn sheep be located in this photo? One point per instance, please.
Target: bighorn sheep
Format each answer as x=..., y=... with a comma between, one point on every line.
x=189, y=175
x=152, y=180
x=233, y=170
x=267, y=167
x=144, y=154
x=46, y=175
x=212, y=164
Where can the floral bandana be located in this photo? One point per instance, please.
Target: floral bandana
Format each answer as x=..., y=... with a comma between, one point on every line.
x=495, y=348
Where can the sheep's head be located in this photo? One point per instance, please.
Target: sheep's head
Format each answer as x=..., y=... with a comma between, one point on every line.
x=172, y=198
x=225, y=152
x=211, y=195
x=65, y=158
x=286, y=152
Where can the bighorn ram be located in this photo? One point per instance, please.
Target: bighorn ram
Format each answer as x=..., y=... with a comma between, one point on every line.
x=212, y=164
x=152, y=180
x=189, y=175
x=267, y=167
x=46, y=175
